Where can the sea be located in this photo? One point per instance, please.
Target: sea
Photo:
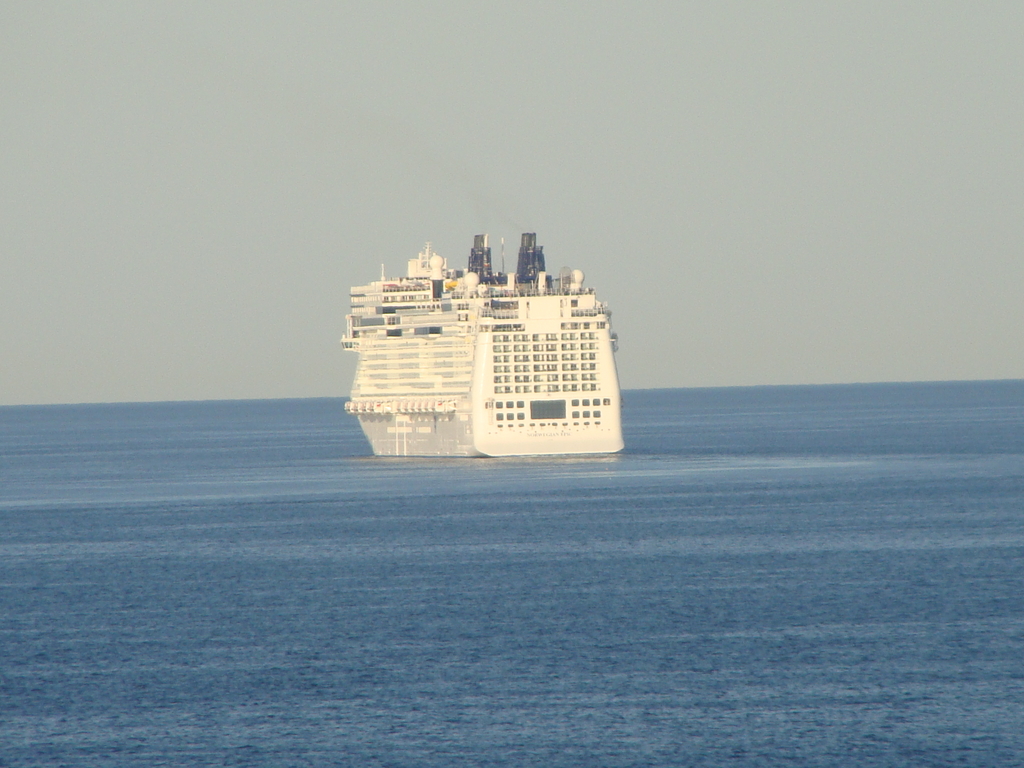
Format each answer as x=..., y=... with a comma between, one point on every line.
x=765, y=576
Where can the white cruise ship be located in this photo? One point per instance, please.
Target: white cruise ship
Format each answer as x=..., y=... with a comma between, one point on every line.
x=474, y=362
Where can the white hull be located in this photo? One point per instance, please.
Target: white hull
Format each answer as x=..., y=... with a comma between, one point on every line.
x=442, y=434
x=446, y=435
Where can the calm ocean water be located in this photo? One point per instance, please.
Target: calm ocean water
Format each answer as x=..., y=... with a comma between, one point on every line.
x=799, y=576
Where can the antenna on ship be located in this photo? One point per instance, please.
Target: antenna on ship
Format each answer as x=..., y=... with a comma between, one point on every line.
x=503, y=254
x=383, y=275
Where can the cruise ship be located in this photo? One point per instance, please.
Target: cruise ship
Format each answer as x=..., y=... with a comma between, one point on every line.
x=477, y=362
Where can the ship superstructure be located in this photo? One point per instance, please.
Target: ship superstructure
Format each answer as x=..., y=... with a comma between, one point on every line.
x=481, y=363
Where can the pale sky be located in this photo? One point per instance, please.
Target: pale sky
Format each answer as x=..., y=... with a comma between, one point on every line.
x=765, y=193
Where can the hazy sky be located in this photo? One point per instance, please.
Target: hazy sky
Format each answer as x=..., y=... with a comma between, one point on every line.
x=766, y=193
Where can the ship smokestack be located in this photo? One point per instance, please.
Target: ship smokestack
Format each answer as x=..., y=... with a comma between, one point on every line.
x=480, y=258
x=531, y=258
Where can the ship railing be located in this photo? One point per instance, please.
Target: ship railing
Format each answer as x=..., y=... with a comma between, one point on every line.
x=401, y=405
x=529, y=289
x=521, y=289
x=500, y=314
x=589, y=312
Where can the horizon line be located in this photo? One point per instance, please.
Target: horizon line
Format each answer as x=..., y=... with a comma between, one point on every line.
x=631, y=389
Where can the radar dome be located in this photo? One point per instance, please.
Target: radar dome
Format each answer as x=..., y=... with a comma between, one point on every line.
x=577, y=276
x=436, y=262
x=472, y=280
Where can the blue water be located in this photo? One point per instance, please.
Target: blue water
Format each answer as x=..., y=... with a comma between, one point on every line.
x=799, y=576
